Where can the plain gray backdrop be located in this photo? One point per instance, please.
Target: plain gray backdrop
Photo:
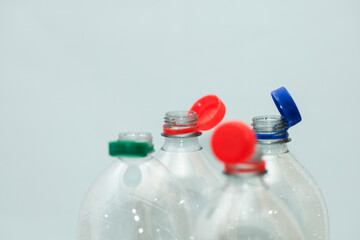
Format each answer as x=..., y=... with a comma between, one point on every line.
x=73, y=74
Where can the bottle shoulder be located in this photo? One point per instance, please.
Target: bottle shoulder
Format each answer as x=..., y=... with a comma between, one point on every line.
x=191, y=165
x=234, y=210
x=295, y=186
x=146, y=182
x=285, y=169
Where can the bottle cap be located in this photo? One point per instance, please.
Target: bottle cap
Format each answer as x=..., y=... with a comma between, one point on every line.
x=210, y=111
x=233, y=142
x=286, y=106
x=131, y=144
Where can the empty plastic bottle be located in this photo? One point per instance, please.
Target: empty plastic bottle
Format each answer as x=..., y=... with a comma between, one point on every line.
x=288, y=179
x=182, y=153
x=245, y=208
x=135, y=198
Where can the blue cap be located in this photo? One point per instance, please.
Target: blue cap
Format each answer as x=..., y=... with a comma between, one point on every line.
x=286, y=106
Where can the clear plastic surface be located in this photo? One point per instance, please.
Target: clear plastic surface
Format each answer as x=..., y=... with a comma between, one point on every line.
x=245, y=209
x=291, y=182
x=184, y=157
x=288, y=178
x=135, y=198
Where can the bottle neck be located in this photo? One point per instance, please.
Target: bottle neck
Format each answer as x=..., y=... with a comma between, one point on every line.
x=245, y=180
x=181, y=144
x=269, y=128
x=271, y=148
x=180, y=123
x=135, y=160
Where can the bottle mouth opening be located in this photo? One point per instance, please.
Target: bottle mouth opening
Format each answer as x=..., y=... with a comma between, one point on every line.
x=180, y=122
x=269, y=123
x=269, y=127
x=140, y=137
x=181, y=119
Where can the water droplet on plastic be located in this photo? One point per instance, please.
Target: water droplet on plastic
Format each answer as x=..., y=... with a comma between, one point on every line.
x=136, y=218
x=141, y=230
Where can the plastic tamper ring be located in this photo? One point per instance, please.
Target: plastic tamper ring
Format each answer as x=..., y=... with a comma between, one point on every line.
x=131, y=144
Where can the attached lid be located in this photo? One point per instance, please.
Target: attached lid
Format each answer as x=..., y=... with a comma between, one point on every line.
x=131, y=144
x=210, y=111
x=233, y=143
x=286, y=106
x=206, y=113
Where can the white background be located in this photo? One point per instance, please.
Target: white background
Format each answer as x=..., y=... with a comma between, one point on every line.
x=73, y=74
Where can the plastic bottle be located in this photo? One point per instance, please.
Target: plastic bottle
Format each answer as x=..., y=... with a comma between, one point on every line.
x=182, y=153
x=135, y=198
x=288, y=179
x=245, y=208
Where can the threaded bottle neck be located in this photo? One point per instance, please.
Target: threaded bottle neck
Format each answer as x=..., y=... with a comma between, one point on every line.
x=181, y=144
x=181, y=123
x=270, y=128
x=180, y=119
x=136, y=137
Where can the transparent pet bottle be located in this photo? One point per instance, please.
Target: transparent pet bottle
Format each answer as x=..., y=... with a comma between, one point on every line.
x=245, y=208
x=135, y=198
x=286, y=177
x=182, y=153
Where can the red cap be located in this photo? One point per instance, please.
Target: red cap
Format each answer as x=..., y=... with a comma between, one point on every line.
x=233, y=143
x=210, y=110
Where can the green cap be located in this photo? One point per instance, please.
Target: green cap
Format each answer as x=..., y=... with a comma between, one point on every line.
x=131, y=144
